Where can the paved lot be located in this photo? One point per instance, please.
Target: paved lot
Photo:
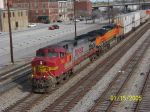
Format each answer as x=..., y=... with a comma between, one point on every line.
x=25, y=42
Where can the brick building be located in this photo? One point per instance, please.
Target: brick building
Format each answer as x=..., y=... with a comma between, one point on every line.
x=19, y=19
x=62, y=10
x=70, y=8
x=83, y=8
x=39, y=10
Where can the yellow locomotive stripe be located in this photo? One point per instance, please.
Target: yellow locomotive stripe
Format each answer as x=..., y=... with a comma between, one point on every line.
x=42, y=68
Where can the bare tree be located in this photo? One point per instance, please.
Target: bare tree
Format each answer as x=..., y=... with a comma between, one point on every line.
x=95, y=14
x=82, y=14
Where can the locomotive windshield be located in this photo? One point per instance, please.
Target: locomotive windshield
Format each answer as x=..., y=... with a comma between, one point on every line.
x=49, y=54
x=52, y=54
x=41, y=54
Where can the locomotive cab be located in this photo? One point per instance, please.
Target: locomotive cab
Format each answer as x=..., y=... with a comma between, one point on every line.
x=46, y=66
x=50, y=61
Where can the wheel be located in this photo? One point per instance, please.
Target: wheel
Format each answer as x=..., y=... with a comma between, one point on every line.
x=71, y=72
x=66, y=76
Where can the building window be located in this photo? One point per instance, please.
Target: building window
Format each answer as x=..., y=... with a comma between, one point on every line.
x=21, y=14
x=36, y=5
x=44, y=11
x=10, y=14
x=36, y=11
x=44, y=5
x=13, y=14
x=18, y=13
x=4, y=15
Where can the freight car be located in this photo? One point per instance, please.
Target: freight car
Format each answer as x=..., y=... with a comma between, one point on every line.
x=55, y=63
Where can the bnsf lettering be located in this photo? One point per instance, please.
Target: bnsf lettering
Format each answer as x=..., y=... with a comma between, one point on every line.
x=78, y=51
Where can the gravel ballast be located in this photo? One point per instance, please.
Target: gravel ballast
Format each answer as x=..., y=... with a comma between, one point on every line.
x=12, y=96
x=135, y=84
x=50, y=99
x=17, y=93
x=88, y=100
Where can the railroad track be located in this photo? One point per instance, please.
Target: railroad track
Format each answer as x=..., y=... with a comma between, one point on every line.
x=5, y=75
x=14, y=77
x=68, y=100
x=33, y=99
x=26, y=103
x=18, y=75
x=143, y=105
x=105, y=102
x=14, y=70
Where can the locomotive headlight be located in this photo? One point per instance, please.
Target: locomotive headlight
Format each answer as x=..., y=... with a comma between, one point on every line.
x=41, y=62
x=44, y=76
x=30, y=76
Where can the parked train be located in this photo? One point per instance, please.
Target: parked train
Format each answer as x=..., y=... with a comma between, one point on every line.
x=56, y=62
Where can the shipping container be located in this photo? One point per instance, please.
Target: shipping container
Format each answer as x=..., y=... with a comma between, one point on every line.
x=126, y=21
x=136, y=19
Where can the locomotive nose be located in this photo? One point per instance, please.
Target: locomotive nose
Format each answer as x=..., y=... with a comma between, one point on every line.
x=39, y=61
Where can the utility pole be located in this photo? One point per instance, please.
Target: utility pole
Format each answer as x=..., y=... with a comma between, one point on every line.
x=75, y=25
x=10, y=33
x=143, y=4
x=139, y=5
x=112, y=18
x=108, y=11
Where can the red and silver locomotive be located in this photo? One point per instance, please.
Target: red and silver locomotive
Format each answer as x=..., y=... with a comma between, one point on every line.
x=55, y=62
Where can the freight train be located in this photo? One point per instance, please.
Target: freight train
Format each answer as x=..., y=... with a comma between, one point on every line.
x=56, y=62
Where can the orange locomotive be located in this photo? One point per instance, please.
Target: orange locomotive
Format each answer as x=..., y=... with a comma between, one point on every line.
x=114, y=32
x=56, y=62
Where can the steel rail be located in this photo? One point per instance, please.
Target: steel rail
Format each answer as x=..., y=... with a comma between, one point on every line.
x=24, y=104
x=14, y=72
x=143, y=92
x=108, y=104
x=120, y=90
x=2, y=74
x=36, y=100
x=73, y=95
x=17, y=76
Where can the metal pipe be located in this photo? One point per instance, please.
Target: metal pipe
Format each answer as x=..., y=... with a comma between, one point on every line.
x=10, y=34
